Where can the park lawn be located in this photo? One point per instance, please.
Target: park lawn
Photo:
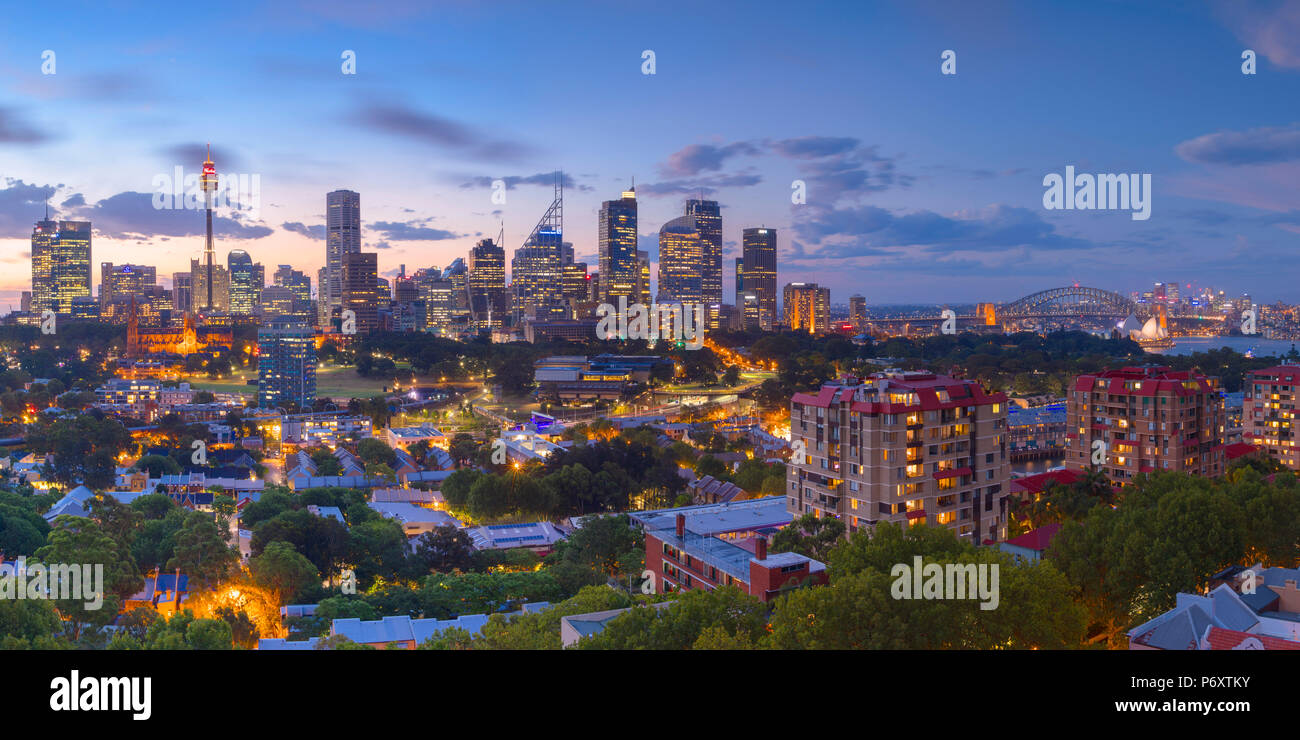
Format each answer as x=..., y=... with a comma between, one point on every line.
x=332, y=382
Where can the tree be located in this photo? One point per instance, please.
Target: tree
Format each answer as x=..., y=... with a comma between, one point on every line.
x=29, y=619
x=281, y=570
x=201, y=553
x=608, y=545
x=376, y=548
x=809, y=535
x=726, y=610
x=444, y=549
x=321, y=540
x=375, y=451
x=78, y=541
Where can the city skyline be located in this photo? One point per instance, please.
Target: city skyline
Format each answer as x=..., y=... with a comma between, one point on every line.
x=933, y=197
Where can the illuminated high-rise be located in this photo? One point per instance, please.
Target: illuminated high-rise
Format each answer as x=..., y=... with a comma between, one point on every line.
x=60, y=265
x=220, y=287
x=759, y=247
x=286, y=365
x=342, y=236
x=807, y=307
x=708, y=220
x=681, y=255
x=616, y=232
x=535, y=268
x=360, y=288
x=486, y=282
x=246, y=282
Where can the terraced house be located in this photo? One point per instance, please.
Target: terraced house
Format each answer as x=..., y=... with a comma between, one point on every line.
x=904, y=447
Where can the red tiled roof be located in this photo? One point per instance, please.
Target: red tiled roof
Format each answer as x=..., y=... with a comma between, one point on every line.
x=1038, y=483
x=1237, y=449
x=1221, y=639
x=1037, y=539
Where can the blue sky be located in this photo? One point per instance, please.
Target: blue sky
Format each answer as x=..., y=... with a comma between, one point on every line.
x=920, y=186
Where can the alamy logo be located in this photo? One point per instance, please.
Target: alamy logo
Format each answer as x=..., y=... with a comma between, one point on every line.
x=349, y=323
x=683, y=322
x=182, y=190
x=1098, y=452
x=1103, y=192
x=498, y=451
x=1248, y=321
x=49, y=322
x=200, y=456
x=949, y=325
x=94, y=694
x=60, y=581
x=923, y=580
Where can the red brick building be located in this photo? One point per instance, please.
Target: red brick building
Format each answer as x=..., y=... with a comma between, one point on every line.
x=682, y=559
x=1269, y=412
x=1147, y=419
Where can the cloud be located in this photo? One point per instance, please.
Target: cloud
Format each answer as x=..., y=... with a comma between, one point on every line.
x=870, y=231
x=21, y=206
x=814, y=147
x=1265, y=145
x=433, y=130
x=697, y=158
x=696, y=185
x=1268, y=27
x=14, y=129
x=297, y=227
x=191, y=157
x=131, y=215
x=409, y=231
x=542, y=179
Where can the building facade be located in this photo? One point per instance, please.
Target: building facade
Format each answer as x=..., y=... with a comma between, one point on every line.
x=1269, y=412
x=487, y=284
x=807, y=307
x=616, y=233
x=907, y=448
x=286, y=366
x=1143, y=419
x=342, y=236
x=759, y=264
x=61, y=269
x=681, y=261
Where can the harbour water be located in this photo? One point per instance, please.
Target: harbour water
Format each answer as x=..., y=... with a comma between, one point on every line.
x=1261, y=347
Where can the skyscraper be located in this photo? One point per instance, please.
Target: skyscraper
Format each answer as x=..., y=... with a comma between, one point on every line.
x=487, y=284
x=807, y=307
x=759, y=247
x=286, y=365
x=209, y=185
x=617, y=248
x=183, y=292
x=60, y=265
x=858, y=311
x=246, y=282
x=360, y=288
x=535, y=269
x=681, y=257
x=220, y=290
x=708, y=220
x=641, y=293
x=342, y=236
x=297, y=282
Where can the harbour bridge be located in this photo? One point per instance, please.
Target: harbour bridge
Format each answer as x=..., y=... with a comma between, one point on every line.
x=1070, y=302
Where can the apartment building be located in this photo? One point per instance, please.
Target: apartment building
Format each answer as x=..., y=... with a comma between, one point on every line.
x=1269, y=412
x=1143, y=419
x=903, y=447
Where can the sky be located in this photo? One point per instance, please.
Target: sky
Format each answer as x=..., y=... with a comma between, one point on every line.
x=921, y=187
